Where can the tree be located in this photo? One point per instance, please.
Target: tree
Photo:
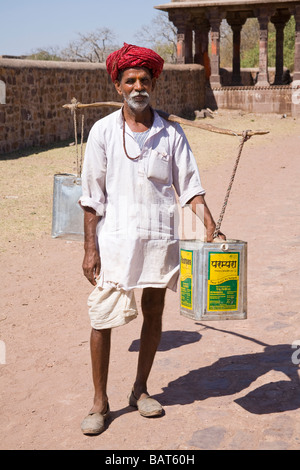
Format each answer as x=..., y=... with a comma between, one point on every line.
x=51, y=53
x=160, y=35
x=250, y=44
x=225, y=44
x=91, y=47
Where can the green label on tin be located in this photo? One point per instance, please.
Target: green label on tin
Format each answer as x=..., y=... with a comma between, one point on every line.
x=186, y=279
x=223, y=281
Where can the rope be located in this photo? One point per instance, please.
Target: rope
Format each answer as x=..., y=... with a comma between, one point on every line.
x=74, y=107
x=81, y=144
x=75, y=135
x=245, y=137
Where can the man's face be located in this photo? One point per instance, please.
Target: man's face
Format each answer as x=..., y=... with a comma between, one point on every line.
x=136, y=86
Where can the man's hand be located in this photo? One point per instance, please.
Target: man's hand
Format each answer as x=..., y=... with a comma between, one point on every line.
x=209, y=236
x=91, y=262
x=200, y=208
x=91, y=265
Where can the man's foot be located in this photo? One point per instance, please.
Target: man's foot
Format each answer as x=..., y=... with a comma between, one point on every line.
x=94, y=423
x=147, y=406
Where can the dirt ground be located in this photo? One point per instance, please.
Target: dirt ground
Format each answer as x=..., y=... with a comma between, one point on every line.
x=225, y=384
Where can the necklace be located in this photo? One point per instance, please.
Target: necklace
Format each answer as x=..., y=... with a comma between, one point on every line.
x=124, y=143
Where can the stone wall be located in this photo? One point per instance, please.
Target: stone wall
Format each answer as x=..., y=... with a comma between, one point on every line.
x=254, y=98
x=275, y=99
x=249, y=76
x=32, y=94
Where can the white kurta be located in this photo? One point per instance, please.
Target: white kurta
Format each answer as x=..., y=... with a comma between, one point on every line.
x=137, y=200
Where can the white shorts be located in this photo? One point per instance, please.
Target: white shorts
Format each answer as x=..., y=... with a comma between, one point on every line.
x=109, y=307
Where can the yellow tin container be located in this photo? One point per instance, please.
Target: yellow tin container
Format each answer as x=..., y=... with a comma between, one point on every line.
x=213, y=280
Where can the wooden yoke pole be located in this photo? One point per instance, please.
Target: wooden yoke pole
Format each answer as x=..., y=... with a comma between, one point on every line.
x=169, y=117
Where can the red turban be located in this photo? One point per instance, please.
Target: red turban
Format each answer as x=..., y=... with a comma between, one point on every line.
x=133, y=56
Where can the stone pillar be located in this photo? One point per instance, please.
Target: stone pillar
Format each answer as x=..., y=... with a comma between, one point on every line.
x=279, y=22
x=279, y=53
x=236, y=20
x=184, y=38
x=215, y=18
x=296, y=77
x=180, y=44
x=188, y=44
x=198, y=57
x=201, y=57
x=263, y=16
x=236, y=55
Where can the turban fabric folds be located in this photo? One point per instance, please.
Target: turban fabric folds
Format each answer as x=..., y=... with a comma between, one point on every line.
x=133, y=56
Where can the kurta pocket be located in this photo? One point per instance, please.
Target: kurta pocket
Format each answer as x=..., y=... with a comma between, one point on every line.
x=159, y=167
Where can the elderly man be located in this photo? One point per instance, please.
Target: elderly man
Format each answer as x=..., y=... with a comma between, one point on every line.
x=134, y=159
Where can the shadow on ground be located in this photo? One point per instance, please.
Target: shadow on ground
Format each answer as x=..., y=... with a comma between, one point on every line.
x=233, y=374
x=171, y=339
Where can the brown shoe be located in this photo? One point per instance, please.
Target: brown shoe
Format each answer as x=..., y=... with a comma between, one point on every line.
x=94, y=423
x=147, y=407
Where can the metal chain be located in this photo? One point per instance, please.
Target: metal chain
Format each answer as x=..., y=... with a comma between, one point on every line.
x=245, y=137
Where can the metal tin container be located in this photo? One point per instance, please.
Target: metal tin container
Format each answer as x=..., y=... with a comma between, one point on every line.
x=213, y=280
x=67, y=215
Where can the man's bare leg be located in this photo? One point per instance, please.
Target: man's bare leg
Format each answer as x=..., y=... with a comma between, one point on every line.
x=94, y=422
x=152, y=308
x=100, y=353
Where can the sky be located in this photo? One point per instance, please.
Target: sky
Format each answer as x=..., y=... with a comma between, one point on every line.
x=28, y=25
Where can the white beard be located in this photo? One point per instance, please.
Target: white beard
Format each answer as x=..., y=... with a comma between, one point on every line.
x=137, y=105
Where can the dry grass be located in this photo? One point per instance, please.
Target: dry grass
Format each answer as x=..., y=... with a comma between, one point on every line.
x=27, y=177
x=211, y=148
x=26, y=191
